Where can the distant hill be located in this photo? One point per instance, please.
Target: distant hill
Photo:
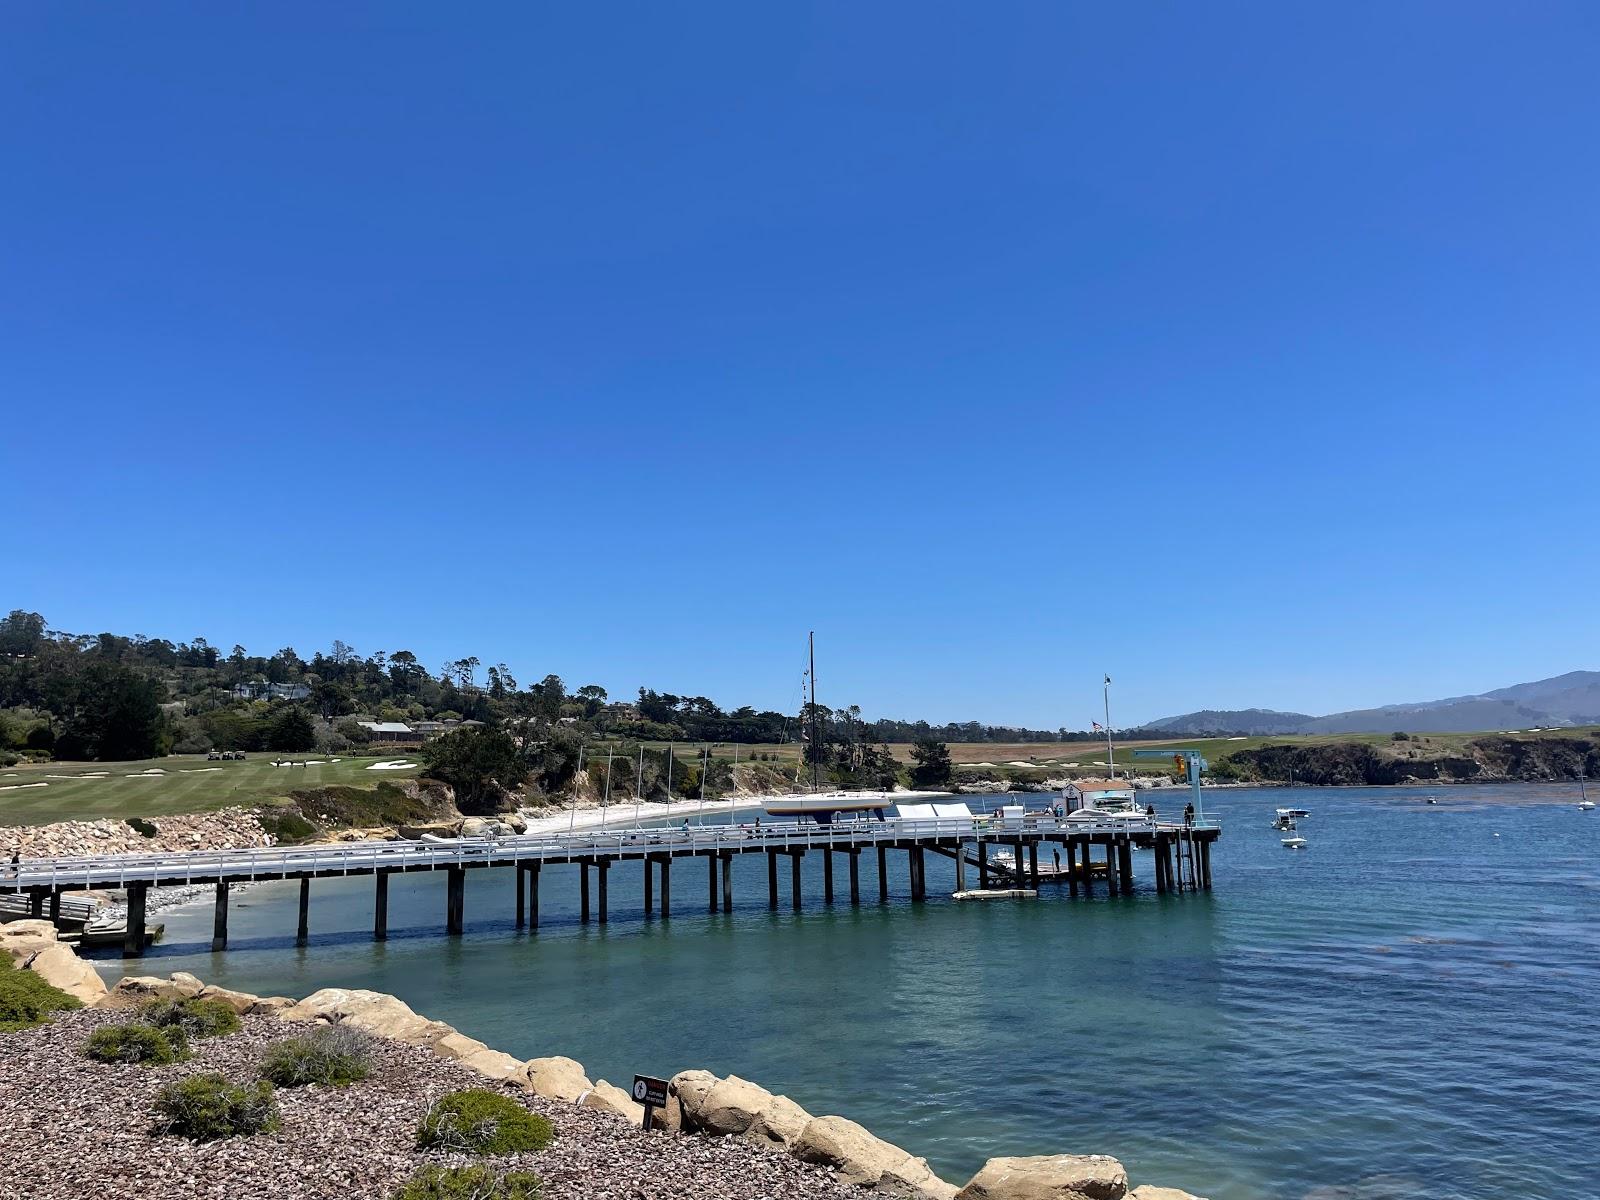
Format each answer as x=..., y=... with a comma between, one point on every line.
x=1254, y=721
x=1570, y=699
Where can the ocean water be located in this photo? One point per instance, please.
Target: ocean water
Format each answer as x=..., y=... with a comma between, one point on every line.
x=1408, y=1008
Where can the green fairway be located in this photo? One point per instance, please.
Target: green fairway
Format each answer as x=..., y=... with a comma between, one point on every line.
x=187, y=783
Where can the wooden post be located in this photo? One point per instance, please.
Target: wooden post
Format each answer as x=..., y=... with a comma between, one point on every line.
x=666, y=887
x=522, y=900
x=794, y=877
x=1125, y=855
x=711, y=880
x=455, y=900
x=219, y=920
x=827, y=876
x=1033, y=863
x=603, y=866
x=961, y=867
x=36, y=905
x=303, y=930
x=133, y=935
x=772, y=879
x=533, y=895
x=583, y=888
x=1072, y=867
x=983, y=865
x=883, y=875
x=919, y=882
x=380, y=907
x=727, y=880
x=1161, y=865
x=1111, y=865
x=855, y=875
x=55, y=906
x=649, y=886
x=1205, y=864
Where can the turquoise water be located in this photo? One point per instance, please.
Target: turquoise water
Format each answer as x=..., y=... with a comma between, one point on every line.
x=1407, y=1008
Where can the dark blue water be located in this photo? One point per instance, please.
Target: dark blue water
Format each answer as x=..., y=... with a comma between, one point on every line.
x=1407, y=1008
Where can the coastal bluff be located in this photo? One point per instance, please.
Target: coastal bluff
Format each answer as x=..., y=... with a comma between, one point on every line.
x=829, y=1155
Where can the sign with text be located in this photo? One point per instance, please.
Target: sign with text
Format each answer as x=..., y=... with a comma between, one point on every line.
x=649, y=1090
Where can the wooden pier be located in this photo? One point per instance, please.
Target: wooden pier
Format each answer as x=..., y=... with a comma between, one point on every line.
x=1095, y=853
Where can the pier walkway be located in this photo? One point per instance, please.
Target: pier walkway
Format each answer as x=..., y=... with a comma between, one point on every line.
x=1182, y=860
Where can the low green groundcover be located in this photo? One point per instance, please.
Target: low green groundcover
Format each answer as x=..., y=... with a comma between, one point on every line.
x=26, y=999
x=334, y=1055
x=468, y=1183
x=478, y=1121
x=207, y=1107
x=135, y=1043
x=197, y=1018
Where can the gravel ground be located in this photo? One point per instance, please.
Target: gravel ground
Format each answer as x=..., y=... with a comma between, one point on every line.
x=72, y=1129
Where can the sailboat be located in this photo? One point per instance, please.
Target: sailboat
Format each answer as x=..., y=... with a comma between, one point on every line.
x=821, y=807
x=1584, y=803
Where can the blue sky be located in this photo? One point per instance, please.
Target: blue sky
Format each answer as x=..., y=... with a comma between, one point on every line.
x=1245, y=351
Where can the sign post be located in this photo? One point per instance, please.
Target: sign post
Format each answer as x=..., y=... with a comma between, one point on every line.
x=650, y=1092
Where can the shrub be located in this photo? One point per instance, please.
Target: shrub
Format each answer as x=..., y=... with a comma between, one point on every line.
x=287, y=826
x=207, y=1107
x=477, y=1121
x=142, y=827
x=197, y=1018
x=335, y=1055
x=468, y=1183
x=143, y=1044
x=26, y=999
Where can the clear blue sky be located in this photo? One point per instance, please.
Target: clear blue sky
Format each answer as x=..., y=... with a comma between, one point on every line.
x=1248, y=352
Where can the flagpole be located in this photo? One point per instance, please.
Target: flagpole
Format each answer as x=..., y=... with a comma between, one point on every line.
x=1111, y=755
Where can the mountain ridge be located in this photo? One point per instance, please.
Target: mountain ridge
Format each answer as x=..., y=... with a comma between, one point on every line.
x=1569, y=699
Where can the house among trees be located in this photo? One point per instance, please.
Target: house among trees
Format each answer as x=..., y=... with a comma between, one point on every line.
x=260, y=689
x=390, y=731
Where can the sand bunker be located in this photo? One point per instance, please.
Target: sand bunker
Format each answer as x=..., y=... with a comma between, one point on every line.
x=199, y=770
x=17, y=787
x=393, y=764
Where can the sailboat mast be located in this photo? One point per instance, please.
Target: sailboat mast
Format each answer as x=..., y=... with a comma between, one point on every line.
x=1111, y=755
x=816, y=746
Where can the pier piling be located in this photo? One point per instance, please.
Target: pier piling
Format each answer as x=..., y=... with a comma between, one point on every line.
x=380, y=906
x=1033, y=865
x=649, y=885
x=583, y=892
x=133, y=934
x=711, y=881
x=961, y=867
x=727, y=882
x=603, y=866
x=827, y=876
x=883, y=875
x=455, y=900
x=522, y=900
x=55, y=906
x=533, y=895
x=666, y=887
x=36, y=904
x=1125, y=854
x=855, y=875
x=219, y=920
x=302, y=933
x=772, y=880
x=794, y=877
x=983, y=866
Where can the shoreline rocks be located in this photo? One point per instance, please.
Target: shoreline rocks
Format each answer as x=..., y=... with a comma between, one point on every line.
x=720, y=1109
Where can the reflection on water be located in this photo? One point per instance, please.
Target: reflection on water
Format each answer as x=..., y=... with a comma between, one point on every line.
x=1405, y=1008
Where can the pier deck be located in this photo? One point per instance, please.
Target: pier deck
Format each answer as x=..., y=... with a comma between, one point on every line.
x=1182, y=859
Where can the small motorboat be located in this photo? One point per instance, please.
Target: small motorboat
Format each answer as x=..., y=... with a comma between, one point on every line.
x=1294, y=843
x=1585, y=805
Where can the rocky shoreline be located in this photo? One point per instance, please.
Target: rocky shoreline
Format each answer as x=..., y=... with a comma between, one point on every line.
x=717, y=1138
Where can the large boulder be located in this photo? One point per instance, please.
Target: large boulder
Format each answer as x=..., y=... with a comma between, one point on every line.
x=555, y=1078
x=58, y=966
x=779, y=1124
x=133, y=990
x=22, y=938
x=608, y=1097
x=731, y=1105
x=448, y=829
x=859, y=1158
x=374, y=1012
x=494, y=1064
x=691, y=1089
x=1148, y=1191
x=240, y=1002
x=1049, y=1177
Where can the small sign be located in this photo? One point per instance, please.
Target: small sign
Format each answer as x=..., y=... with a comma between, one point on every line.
x=649, y=1090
